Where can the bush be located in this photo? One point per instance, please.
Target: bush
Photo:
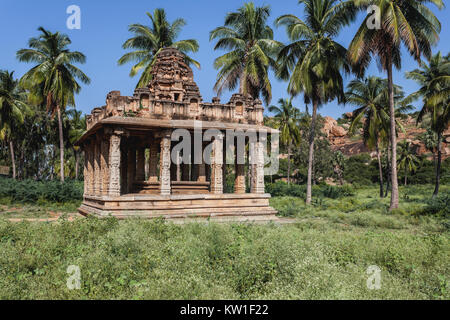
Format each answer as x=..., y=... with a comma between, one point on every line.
x=281, y=189
x=30, y=191
x=438, y=206
x=359, y=169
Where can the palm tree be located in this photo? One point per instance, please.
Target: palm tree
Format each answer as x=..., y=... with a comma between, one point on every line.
x=368, y=94
x=407, y=159
x=434, y=81
x=54, y=78
x=76, y=131
x=286, y=120
x=313, y=61
x=371, y=97
x=12, y=109
x=408, y=22
x=252, y=52
x=148, y=41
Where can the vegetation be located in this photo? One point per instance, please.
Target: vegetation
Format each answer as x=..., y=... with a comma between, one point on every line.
x=407, y=22
x=313, y=61
x=148, y=42
x=252, y=52
x=29, y=191
x=323, y=255
x=434, y=80
x=286, y=120
x=53, y=80
x=12, y=109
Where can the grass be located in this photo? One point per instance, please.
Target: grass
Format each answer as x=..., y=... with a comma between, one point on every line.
x=323, y=255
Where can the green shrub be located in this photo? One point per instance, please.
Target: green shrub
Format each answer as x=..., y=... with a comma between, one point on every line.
x=438, y=206
x=30, y=191
x=281, y=189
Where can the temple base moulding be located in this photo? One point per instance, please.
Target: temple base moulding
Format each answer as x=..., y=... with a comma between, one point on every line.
x=213, y=207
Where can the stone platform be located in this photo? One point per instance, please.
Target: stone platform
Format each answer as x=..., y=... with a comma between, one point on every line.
x=220, y=208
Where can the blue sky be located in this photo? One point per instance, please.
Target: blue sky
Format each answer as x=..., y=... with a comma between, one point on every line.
x=104, y=28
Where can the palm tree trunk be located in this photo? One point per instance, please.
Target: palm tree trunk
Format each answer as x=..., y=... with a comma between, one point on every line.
x=77, y=163
x=241, y=83
x=438, y=167
x=388, y=161
x=394, y=180
x=311, y=153
x=380, y=169
x=61, y=144
x=406, y=177
x=289, y=163
x=13, y=161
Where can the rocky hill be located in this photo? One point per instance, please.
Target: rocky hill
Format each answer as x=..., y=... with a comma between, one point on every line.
x=340, y=140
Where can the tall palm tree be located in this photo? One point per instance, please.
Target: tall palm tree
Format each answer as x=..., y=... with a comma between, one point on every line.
x=371, y=97
x=12, y=109
x=313, y=61
x=148, y=41
x=407, y=160
x=252, y=52
x=434, y=81
x=53, y=80
x=286, y=120
x=409, y=22
x=368, y=96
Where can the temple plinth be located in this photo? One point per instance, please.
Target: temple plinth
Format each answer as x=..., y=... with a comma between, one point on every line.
x=164, y=152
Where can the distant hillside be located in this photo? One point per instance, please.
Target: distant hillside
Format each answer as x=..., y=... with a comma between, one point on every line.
x=337, y=133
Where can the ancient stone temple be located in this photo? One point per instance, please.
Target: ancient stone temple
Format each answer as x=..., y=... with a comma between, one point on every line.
x=165, y=152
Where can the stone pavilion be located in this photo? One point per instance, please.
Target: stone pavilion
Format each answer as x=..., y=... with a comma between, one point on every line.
x=132, y=166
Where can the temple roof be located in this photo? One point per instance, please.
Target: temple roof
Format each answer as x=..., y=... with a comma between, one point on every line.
x=172, y=95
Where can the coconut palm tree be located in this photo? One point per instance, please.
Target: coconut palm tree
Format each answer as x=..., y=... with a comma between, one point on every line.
x=53, y=80
x=252, y=52
x=286, y=120
x=370, y=95
x=407, y=160
x=409, y=22
x=12, y=109
x=434, y=81
x=148, y=41
x=313, y=61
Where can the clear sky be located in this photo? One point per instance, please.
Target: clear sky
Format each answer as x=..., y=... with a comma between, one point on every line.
x=104, y=29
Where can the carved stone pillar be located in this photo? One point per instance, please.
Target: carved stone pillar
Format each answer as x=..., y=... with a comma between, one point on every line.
x=257, y=158
x=217, y=165
x=140, y=166
x=97, y=167
x=114, y=165
x=164, y=166
x=239, y=181
x=89, y=177
x=131, y=168
x=104, y=164
x=153, y=162
x=85, y=170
